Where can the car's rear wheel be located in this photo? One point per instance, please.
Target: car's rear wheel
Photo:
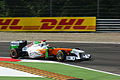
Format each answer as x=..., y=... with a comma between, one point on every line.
x=15, y=53
x=61, y=55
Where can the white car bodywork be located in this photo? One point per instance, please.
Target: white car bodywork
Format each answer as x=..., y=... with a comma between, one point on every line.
x=80, y=54
x=32, y=50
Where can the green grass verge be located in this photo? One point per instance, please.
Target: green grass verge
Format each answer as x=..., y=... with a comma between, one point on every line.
x=70, y=71
x=23, y=78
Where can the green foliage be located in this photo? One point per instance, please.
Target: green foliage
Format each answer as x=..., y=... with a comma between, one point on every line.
x=46, y=8
x=57, y=8
x=109, y=8
x=2, y=8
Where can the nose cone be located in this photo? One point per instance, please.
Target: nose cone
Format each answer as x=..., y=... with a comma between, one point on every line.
x=81, y=51
x=88, y=56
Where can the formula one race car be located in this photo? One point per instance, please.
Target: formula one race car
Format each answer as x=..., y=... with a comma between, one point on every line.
x=20, y=49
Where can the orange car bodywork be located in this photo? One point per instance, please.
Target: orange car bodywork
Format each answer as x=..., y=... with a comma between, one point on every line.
x=53, y=51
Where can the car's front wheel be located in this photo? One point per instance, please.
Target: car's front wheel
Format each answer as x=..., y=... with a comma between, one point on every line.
x=61, y=55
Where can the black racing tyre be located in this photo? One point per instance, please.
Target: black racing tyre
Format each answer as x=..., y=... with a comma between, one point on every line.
x=14, y=53
x=61, y=55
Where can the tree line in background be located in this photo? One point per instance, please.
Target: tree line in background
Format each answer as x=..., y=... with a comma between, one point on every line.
x=60, y=8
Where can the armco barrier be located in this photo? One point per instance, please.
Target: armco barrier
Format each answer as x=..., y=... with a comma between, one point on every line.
x=48, y=24
x=108, y=25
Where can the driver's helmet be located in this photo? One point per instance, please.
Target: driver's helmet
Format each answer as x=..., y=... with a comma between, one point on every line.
x=36, y=42
x=43, y=41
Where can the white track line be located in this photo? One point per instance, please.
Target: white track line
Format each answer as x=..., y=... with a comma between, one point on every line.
x=41, y=61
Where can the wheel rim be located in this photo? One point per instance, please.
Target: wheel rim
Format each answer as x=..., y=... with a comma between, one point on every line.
x=13, y=54
x=60, y=56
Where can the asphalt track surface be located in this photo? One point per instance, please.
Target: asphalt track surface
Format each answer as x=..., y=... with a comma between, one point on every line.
x=106, y=57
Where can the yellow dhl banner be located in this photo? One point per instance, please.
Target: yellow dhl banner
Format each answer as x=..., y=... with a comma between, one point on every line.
x=48, y=24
